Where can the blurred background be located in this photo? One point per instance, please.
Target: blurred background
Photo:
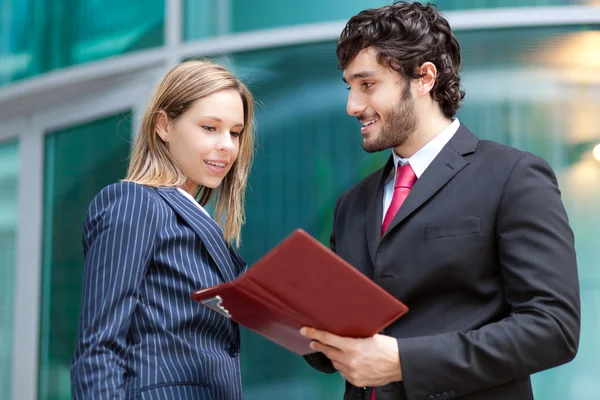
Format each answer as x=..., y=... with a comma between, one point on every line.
x=74, y=79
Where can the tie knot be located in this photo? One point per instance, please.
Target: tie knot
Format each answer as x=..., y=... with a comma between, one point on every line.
x=405, y=176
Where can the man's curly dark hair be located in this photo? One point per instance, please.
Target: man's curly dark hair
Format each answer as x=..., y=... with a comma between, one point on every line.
x=407, y=35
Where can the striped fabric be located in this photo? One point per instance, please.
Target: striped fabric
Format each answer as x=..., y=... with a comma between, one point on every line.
x=140, y=335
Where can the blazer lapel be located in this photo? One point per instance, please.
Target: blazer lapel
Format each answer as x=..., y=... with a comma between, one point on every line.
x=375, y=208
x=205, y=227
x=442, y=169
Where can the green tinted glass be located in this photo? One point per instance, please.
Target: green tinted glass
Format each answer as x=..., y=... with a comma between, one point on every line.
x=42, y=35
x=203, y=18
x=9, y=175
x=79, y=161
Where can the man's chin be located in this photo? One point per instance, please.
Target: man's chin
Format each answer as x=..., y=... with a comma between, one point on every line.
x=373, y=147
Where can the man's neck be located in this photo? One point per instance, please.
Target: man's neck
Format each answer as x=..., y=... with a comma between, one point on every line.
x=428, y=128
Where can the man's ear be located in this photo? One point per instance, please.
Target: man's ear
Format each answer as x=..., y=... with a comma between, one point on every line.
x=162, y=126
x=428, y=71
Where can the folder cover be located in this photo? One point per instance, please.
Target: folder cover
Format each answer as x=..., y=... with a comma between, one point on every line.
x=300, y=282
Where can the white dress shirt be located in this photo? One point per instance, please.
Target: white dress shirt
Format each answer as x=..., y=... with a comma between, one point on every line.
x=418, y=162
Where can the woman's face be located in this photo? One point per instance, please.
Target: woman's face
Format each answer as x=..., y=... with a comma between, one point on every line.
x=205, y=139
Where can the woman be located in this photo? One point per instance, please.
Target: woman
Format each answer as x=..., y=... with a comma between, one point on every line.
x=148, y=245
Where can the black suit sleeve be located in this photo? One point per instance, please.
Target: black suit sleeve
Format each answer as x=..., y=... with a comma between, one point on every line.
x=318, y=360
x=537, y=259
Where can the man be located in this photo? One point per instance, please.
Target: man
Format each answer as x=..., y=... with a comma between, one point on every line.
x=471, y=235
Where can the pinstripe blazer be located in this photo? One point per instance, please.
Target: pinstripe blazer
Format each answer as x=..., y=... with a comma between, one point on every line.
x=140, y=335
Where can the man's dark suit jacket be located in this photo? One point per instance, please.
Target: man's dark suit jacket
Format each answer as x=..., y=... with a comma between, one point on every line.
x=482, y=253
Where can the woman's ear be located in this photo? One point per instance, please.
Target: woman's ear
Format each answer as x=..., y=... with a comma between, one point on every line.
x=162, y=126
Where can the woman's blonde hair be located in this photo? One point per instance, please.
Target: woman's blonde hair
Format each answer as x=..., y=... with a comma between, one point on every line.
x=151, y=163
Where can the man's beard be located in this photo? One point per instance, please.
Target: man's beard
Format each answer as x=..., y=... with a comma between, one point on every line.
x=401, y=124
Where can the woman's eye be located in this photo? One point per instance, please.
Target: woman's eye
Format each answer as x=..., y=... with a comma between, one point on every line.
x=209, y=128
x=236, y=134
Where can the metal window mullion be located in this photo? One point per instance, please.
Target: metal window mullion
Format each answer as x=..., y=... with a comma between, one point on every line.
x=28, y=265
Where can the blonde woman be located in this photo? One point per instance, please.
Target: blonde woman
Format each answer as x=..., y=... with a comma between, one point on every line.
x=149, y=243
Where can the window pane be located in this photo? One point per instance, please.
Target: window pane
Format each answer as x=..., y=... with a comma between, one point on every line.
x=531, y=88
x=79, y=161
x=9, y=175
x=42, y=35
x=261, y=14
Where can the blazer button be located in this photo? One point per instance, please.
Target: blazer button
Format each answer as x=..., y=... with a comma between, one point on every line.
x=232, y=350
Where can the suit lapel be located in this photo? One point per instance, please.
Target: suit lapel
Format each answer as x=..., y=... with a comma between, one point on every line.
x=441, y=170
x=375, y=207
x=207, y=230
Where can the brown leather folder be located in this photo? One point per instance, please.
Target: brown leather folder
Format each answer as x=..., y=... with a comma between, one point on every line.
x=300, y=283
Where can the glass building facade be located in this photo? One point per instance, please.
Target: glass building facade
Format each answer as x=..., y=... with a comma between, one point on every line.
x=531, y=85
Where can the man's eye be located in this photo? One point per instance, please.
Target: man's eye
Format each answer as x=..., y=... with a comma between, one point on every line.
x=367, y=85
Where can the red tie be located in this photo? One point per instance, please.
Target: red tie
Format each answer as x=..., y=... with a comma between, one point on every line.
x=405, y=179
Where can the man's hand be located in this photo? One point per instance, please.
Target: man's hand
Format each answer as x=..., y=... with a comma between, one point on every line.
x=368, y=362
